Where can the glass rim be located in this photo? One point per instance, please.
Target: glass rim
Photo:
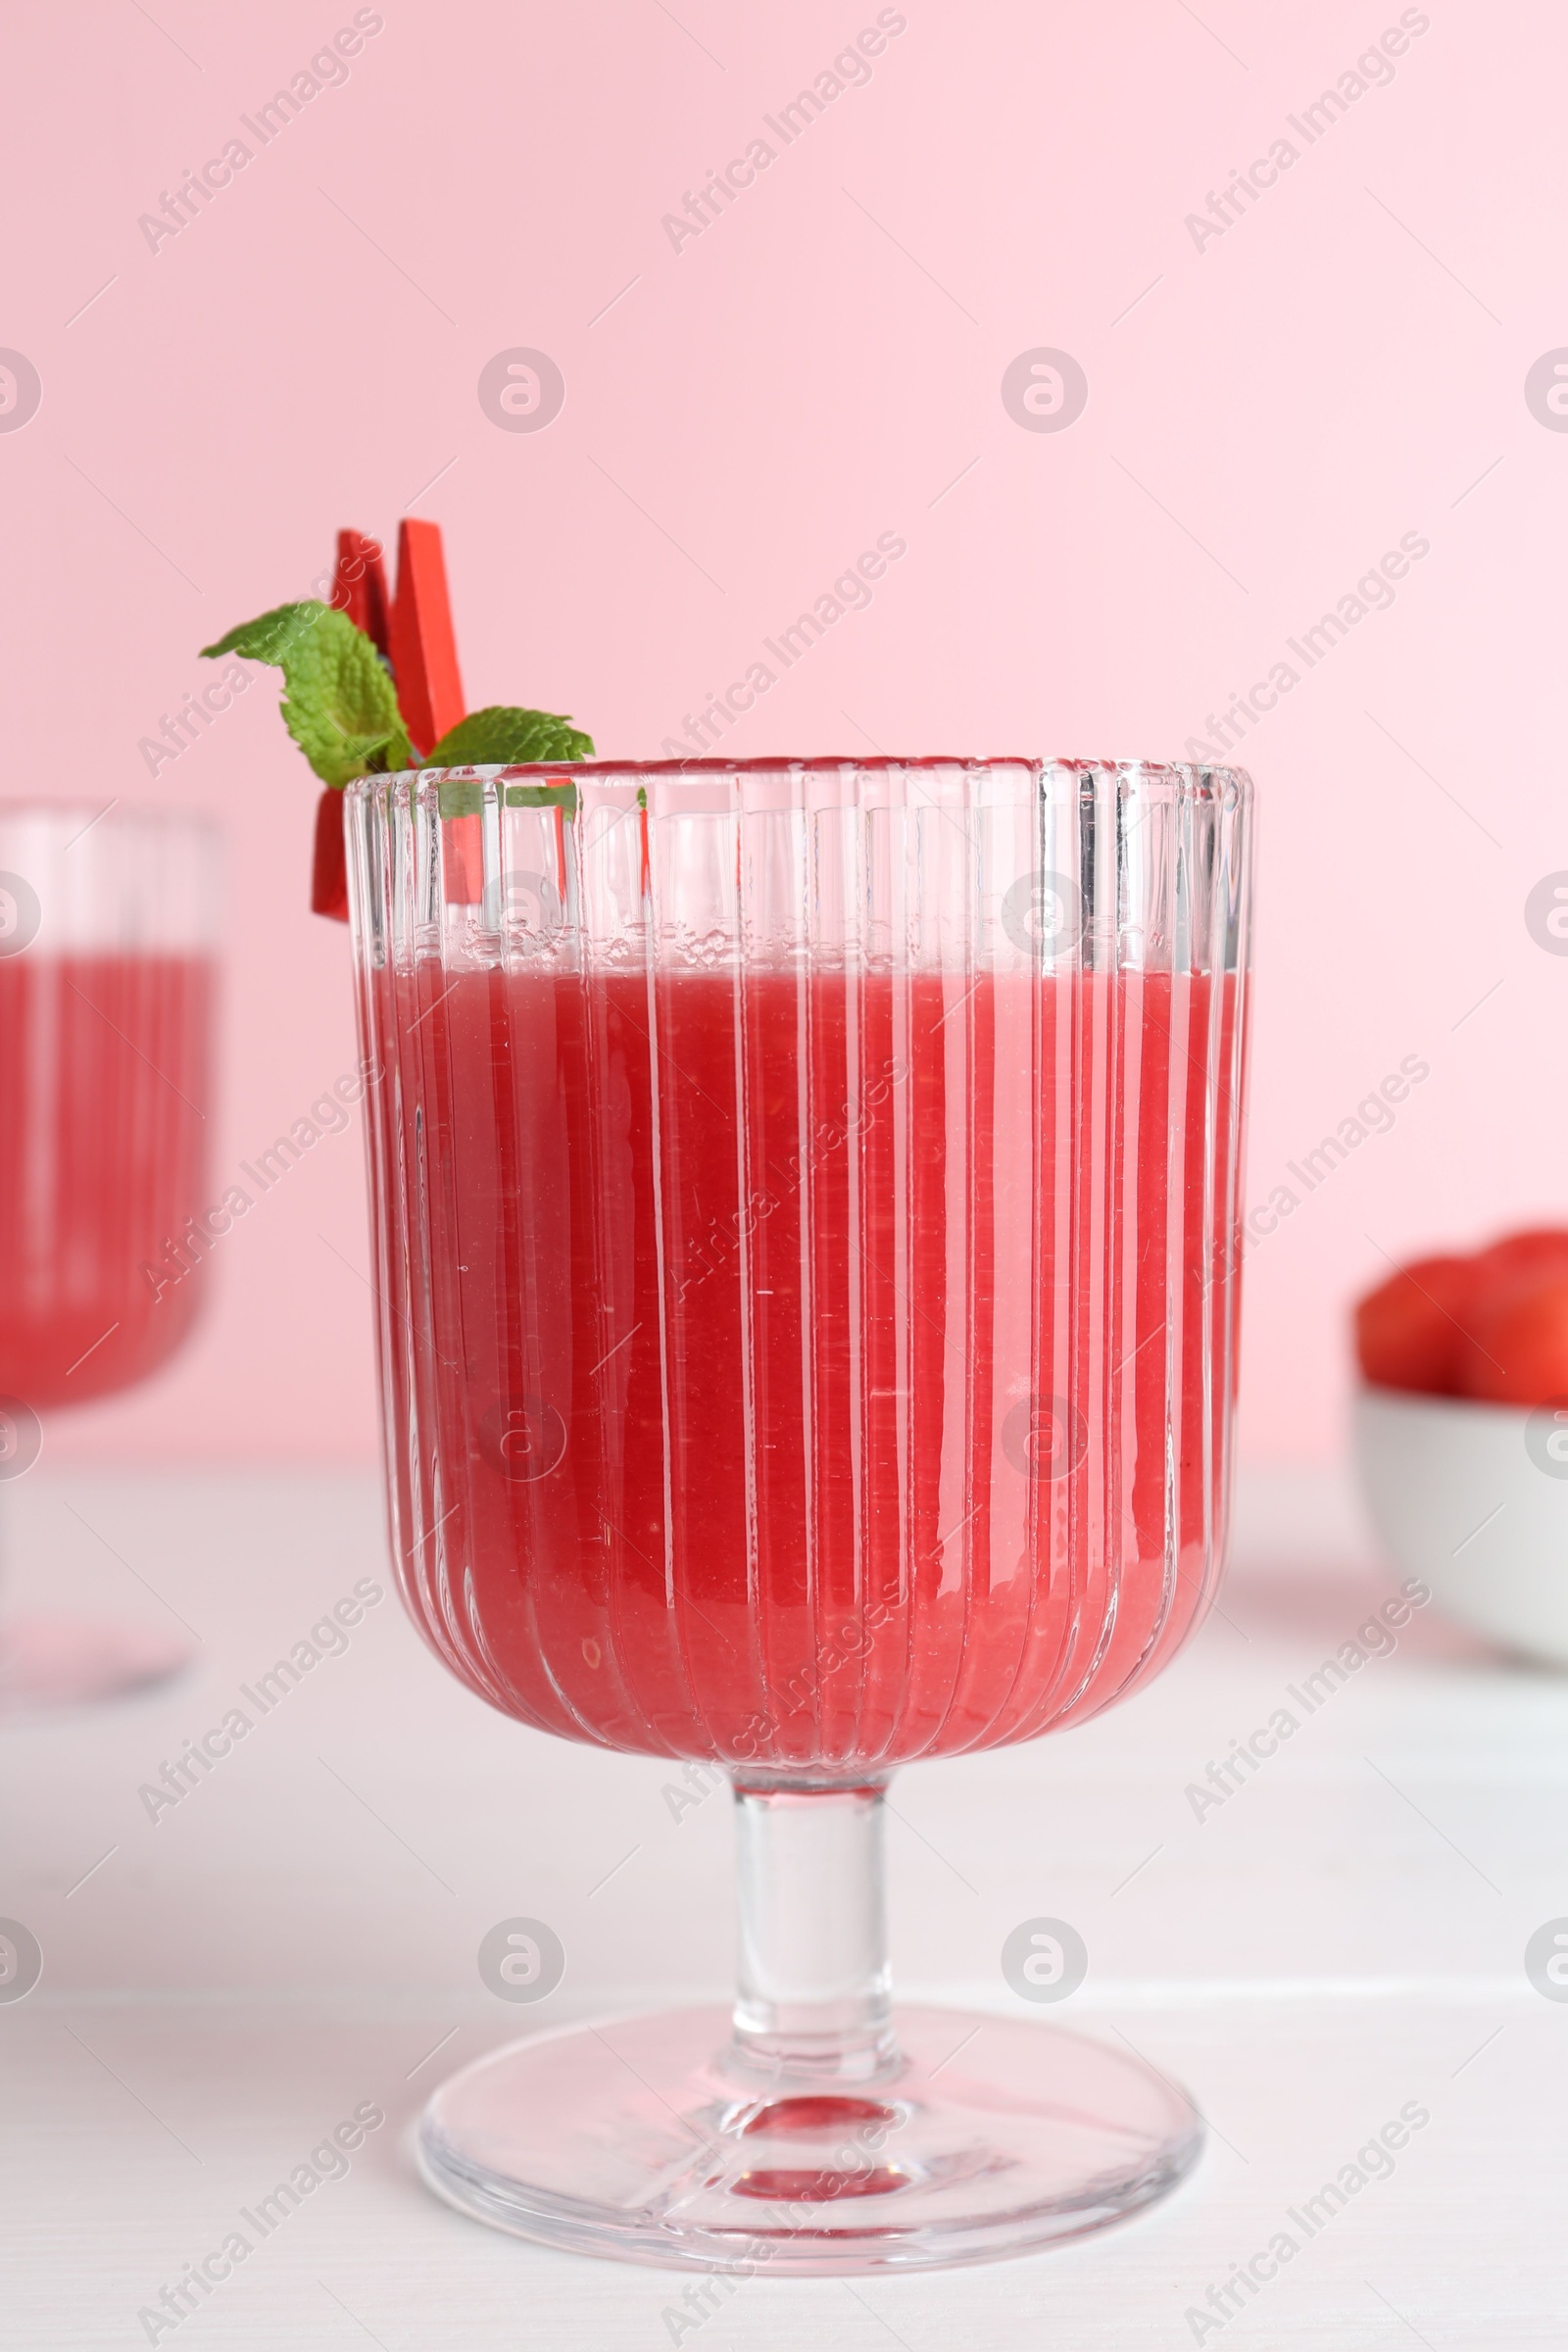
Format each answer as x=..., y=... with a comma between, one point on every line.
x=814, y=763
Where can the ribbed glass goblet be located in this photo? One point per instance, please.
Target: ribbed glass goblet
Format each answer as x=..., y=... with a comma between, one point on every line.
x=805, y=1199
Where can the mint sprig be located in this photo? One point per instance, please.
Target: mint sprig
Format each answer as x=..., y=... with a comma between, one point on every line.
x=338, y=700
x=341, y=708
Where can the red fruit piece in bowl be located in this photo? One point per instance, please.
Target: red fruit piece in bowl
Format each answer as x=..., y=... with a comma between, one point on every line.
x=1518, y=1347
x=1521, y=1255
x=1410, y=1332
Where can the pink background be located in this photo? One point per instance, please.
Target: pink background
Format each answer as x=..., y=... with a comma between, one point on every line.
x=1266, y=416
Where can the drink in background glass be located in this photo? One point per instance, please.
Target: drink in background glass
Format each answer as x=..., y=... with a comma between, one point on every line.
x=105, y=1002
x=806, y=1200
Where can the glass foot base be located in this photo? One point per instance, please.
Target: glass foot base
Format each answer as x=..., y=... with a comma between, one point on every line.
x=48, y=1662
x=646, y=2139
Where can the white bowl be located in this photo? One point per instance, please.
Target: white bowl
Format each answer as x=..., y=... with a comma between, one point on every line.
x=1472, y=1499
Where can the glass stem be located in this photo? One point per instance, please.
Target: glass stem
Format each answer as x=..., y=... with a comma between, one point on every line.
x=813, y=1997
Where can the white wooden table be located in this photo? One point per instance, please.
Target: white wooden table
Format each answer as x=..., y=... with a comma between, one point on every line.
x=296, y=1937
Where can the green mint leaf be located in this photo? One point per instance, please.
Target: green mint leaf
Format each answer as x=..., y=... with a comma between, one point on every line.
x=264, y=639
x=506, y=738
x=543, y=796
x=339, y=704
x=463, y=795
